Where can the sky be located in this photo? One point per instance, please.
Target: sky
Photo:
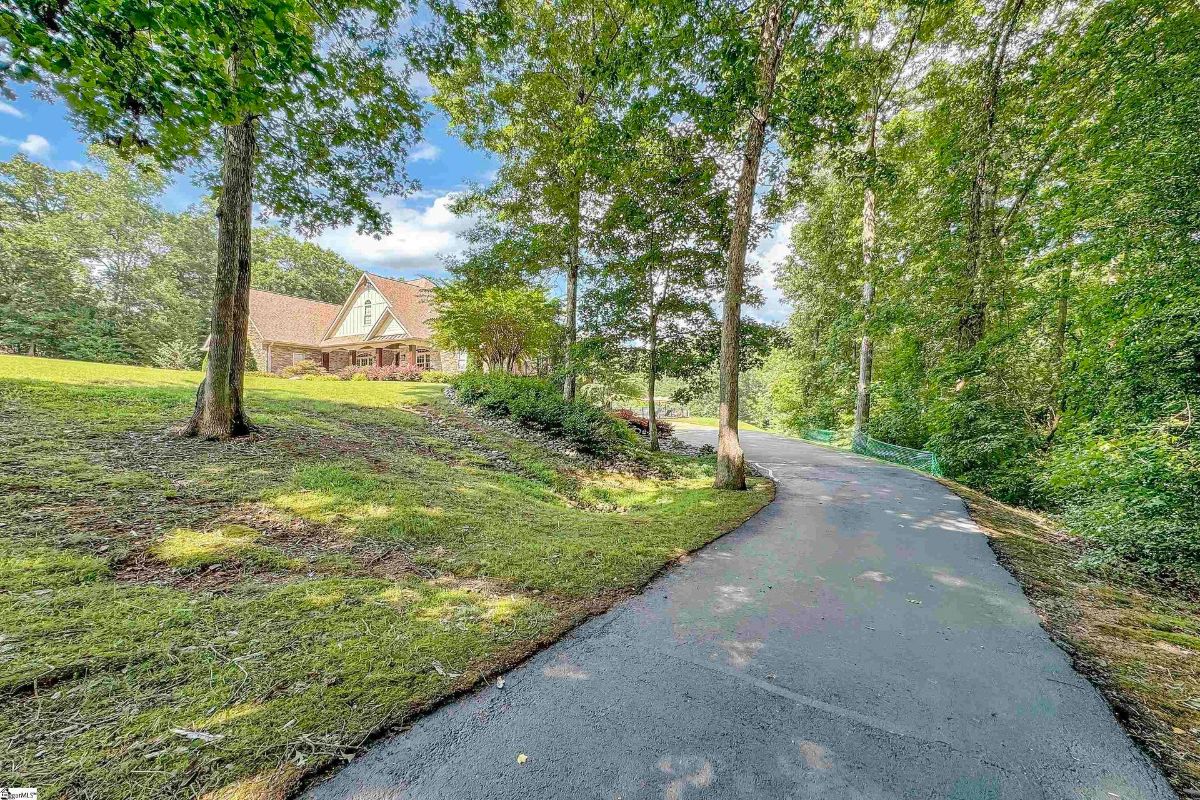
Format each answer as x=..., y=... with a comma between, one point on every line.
x=423, y=228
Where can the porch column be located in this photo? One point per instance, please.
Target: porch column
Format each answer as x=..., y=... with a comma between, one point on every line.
x=325, y=361
x=412, y=355
x=379, y=356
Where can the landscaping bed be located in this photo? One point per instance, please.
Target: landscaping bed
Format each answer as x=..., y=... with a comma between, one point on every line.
x=220, y=620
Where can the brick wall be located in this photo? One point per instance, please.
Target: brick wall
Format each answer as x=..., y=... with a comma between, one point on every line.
x=280, y=355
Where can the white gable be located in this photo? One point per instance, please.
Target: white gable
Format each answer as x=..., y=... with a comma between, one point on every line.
x=368, y=307
x=394, y=328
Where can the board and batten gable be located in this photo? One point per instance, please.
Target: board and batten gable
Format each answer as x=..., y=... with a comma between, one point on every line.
x=362, y=315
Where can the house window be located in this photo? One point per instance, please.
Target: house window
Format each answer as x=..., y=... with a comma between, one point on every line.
x=364, y=358
x=298, y=357
x=367, y=312
x=423, y=360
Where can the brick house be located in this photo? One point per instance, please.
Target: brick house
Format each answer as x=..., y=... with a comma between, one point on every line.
x=382, y=322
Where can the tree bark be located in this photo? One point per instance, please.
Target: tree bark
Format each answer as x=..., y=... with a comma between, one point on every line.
x=572, y=295
x=981, y=202
x=219, y=413
x=652, y=378
x=866, y=352
x=773, y=38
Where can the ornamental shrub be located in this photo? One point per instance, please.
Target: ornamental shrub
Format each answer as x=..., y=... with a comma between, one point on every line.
x=537, y=403
x=305, y=367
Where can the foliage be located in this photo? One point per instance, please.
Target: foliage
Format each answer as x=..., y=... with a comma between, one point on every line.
x=500, y=327
x=176, y=354
x=92, y=268
x=305, y=366
x=1036, y=322
x=436, y=376
x=285, y=265
x=538, y=403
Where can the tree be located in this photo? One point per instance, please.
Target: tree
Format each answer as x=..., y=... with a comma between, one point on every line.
x=1073, y=382
x=306, y=98
x=286, y=265
x=749, y=69
x=542, y=90
x=893, y=33
x=662, y=237
x=500, y=328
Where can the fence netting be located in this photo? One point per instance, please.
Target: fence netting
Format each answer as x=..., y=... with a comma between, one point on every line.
x=861, y=443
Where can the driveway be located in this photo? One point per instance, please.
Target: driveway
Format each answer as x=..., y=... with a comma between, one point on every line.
x=856, y=639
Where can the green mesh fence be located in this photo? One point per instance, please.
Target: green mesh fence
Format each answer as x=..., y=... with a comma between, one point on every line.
x=917, y=459
x=861, y=443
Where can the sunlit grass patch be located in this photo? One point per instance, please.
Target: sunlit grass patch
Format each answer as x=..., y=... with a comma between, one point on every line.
x=184, y=548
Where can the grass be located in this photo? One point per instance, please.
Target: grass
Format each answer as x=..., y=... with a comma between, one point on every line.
x=218, y=621
x=711, y=422
x=1140, y=644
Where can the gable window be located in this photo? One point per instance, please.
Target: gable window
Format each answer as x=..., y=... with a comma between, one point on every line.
x=367, y=312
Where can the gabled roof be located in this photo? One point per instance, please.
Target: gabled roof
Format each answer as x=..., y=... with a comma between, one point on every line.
x=280, y=318
x=409, y=303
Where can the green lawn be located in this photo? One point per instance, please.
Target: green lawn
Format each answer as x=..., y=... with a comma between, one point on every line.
x=217, y=620
x=711, y=422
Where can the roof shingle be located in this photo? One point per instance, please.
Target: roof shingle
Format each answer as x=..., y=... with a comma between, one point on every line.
x=280, y=318
x=410, y=302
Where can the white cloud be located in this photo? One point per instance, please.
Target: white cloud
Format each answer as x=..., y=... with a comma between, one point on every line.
x=425, y=151
x=420, y=85
x=35, y=146
x=421, y=235
x=11, y=110
x=771, y=252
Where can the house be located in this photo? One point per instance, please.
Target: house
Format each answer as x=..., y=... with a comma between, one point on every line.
x=382, y=322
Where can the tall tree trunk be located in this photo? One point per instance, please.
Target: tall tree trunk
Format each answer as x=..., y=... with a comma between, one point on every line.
x=866, y=353
x=1060, y=336
x=773, y=38
x=572, y=293
x=219, y=413
x=652, y=378
x=981, y=201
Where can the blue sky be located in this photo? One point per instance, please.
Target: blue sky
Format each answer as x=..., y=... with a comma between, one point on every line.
x=423, y=228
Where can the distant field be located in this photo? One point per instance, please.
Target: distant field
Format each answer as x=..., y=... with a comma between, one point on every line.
x=215, y=620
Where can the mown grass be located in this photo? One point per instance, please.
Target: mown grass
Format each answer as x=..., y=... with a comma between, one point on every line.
x=1140, y=644
x=711, y=422
x=188, y=619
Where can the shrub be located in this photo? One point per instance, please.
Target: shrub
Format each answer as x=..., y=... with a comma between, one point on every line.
x=537, y=403
x=305, y=367
x=437, y=376
x=177, y=354
x=642, y=424
x=1133, y=495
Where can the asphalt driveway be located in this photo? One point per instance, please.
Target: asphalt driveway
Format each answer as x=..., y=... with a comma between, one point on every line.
x=856, y=639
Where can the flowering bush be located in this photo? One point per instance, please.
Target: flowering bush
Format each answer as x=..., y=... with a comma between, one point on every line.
x=388, y=372
x=642, y=424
